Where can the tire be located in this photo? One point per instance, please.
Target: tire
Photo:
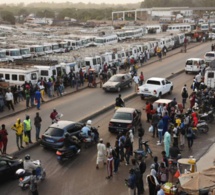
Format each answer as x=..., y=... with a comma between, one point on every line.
x=44, y=174
x=24, y=187
x=159, y=96
x=142, y=97
x=118, y=89
x=186, y=72
x=210, y=119
x=170, y=91
x=204, y=129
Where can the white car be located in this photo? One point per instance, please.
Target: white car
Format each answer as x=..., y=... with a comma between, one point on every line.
x=155, y=87
x=209, y=56
x=194, y=65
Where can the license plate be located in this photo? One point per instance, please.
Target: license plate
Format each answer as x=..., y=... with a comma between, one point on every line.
x=50, y=140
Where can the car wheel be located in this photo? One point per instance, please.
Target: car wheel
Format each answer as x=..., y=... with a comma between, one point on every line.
x=159, y=96
x=142, y=97
x=43, y=175
x=170, y=91
x=118, y=89
x=186, y=72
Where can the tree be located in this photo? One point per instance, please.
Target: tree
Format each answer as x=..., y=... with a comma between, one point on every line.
x=8, y=16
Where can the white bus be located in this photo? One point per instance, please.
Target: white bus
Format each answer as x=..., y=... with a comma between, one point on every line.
x=157, y=28
x=106, y=40
x=25, y=52
x=13, y=54
x=46, y=71
x=37, y=50
x=204, y=27
x=47, y=48
x=17, y=75
x=179, y=27
x=3, y=57
x=93, y=62
x=56, y=48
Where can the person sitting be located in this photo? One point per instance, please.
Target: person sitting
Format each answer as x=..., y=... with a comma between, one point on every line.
x=72, y=143
x=86, y=130
x=30, y=166
x=174, y=151
x=119, y=101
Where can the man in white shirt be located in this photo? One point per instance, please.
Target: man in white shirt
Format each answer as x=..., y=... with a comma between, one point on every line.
x=136, y=81
x=101, y=153
x=9, y=99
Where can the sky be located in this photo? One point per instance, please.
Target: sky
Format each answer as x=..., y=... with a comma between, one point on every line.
x=73, y=1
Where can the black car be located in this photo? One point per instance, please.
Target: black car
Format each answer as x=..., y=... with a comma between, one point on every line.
x=8, y=167
x=53, y=137
x=125, y=119
x=117, y=82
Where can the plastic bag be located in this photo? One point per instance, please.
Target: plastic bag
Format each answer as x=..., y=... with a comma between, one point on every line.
x=25, y=138
x=151, y=129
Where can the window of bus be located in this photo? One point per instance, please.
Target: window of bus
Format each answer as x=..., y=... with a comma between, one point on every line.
x=211, y=75
x=98, y=61
x=94, y=61
x=113, y=56
x=21, y=77
x=1, y=75
x=33, y=76
x=7, y=76
x=44, y=73
x=14, y=77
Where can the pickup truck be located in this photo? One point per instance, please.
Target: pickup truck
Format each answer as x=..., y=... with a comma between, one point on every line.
x=155, y=87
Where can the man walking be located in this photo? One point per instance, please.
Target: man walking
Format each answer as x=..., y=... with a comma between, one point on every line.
x=37, y=124
x=155, y=120
x=18, y=127
x=37, y=98
x=27, y=128
x=9, y=99
x=167, y=142
x=101, y=153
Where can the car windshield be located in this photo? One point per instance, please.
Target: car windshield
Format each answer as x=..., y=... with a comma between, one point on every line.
x=3, y=55
x=209, y=55
x=115, y=78
x=24, y=51
x=39, y=49
x=122, y=116
x=52, y=131
x=15, y=53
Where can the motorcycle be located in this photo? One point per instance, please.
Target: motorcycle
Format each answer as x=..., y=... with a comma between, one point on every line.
x=208, y=117
x=141, y=152
x=122, y=105
x=88, y=140
x=64, y=154
x=201, y=127
x=25, y=177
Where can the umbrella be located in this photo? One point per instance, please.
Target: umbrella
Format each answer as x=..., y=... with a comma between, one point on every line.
x=209, y=171
x=193, y=182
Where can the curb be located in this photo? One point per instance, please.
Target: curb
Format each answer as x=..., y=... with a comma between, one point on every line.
x=93, y=115
x=50, y=100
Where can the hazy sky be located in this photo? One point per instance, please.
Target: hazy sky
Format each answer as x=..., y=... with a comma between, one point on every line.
x=74, y=1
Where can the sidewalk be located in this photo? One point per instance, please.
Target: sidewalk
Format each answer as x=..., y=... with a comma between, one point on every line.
x=21, y=106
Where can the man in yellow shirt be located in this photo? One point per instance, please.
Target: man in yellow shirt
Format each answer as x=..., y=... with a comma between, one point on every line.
x=18, y=127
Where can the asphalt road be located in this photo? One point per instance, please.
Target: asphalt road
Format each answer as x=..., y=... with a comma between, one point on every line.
x=79, y=176
x=78, y=105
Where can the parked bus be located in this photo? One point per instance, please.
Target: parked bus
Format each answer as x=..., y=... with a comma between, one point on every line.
x=179, y=27
x=13, y=54
x=17, y=75
x=3, y=57
x=47, y=48
x=106, y=40
x=25, y=52
x=157, y=28
x=37, y=50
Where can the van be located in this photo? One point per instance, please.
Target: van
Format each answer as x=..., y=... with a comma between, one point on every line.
x=47, y=48
x=3, y=57
x=209, y=56
x=37, y=50
x=194, y=65
x=93, y=62
x=209, y=77
x=17, y=75
x=13, y=54
x=67, y=67
x=46, y=71
x=25, y=52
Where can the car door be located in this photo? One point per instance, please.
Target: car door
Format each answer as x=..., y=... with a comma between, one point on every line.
x=5, y=170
